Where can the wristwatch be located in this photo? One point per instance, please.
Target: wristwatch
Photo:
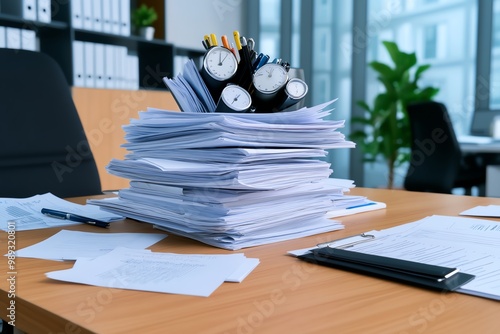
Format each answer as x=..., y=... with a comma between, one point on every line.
x=219, y=66
x=234, y=99
x=269, y=82
x=295, y=91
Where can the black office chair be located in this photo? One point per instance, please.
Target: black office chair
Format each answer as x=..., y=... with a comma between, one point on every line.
x=43, y=144
x=437, y=163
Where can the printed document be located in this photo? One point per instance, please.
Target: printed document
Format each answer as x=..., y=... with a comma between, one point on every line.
x=470, y=244
x=196, y=275
x=25, y=213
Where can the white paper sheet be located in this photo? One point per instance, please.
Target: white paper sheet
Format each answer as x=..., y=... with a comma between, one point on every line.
x=26, y=214
x=71, y=245
x=197, y=275
x=483, y=211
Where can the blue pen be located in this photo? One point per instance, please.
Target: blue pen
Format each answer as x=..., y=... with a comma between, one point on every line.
x=73, y=217
x=257, y=61
x=263, y=61
x=361, y=205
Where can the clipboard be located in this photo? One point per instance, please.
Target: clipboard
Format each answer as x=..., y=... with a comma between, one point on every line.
x=334, y=254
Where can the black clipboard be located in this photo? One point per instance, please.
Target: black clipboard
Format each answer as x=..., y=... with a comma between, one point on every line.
x=414, y=273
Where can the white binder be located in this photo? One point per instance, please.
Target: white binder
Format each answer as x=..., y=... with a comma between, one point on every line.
x=13, y=38
x=115, y=17
x=44, y=11
x=29, y=10
x=78, y=64
x=99, y=65
x=109, y=69
x=134, y=71
x=28, y=40
x=89, y=64
x=125, y=17
x=120, y=65
x=97, y=15
x=87, y=15
x=2, y=37
x=106, y=16
x=77, y=14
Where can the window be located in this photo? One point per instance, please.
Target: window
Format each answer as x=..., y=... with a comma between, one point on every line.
x=270, y=22
x=328, y=65
x=442, y=33
x=430, y=41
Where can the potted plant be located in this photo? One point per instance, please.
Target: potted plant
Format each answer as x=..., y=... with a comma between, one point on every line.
x=143, y=18
x=386, y=131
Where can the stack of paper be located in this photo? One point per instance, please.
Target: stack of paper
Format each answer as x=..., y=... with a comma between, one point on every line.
x=231, y=180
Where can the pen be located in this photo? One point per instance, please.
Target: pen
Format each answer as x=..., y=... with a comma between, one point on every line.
x=361, y=205
x=73, y=217
x=262, y=62
x=206, y=38
x=236, y=35
x=225, y=42
x=245, y=63
x=213, y=39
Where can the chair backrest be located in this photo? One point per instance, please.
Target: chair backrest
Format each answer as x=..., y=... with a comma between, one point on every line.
x=435, y=152
x=43, y=144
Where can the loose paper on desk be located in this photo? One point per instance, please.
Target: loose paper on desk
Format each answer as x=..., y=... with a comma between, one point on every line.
x=26, y=214
x=483, y=211
x=71, y=245
x=197, y=275
x=470, y=244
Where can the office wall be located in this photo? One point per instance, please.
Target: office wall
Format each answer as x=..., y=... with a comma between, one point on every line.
x=188, y=21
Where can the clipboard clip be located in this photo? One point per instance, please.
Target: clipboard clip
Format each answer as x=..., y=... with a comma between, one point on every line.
x=365, y=238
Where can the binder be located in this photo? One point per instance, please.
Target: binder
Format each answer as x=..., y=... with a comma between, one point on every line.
x=125, y=17
x=43, y=11
x=120, y=67
x=97, y=15
x=2, y=37
x=99, y=75
x=109, y=71
x=28, y=40
x=88, y=49
x=87, y=15
x=106, y=17
x=135, y=72
x=414, y=273
x=78, y=64
x=77, y=14
x=115, y=17
x=23, y=8
x=13, y=38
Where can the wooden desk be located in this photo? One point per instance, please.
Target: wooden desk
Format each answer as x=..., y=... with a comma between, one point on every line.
x=282, y=294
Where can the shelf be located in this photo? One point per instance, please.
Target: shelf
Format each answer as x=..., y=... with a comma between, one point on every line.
x=129, y=41
x=55, y=38
x=17, y=22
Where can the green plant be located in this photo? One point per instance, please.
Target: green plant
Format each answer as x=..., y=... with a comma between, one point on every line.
x=144, y=16
x=386, y=131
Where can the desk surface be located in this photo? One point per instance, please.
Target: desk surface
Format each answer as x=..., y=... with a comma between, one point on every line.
x=282, y=294
x=491, y=147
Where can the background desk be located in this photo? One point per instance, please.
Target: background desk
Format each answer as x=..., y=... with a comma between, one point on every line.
x=282, y=294
x=491, y=151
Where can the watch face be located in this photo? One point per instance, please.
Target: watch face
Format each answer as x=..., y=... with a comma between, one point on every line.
x=296, y=88
x=236, y=98
x=270, y=78
x=220, y=63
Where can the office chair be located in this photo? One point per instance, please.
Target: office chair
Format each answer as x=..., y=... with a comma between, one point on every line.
x=43, y=144
x=437, y=163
